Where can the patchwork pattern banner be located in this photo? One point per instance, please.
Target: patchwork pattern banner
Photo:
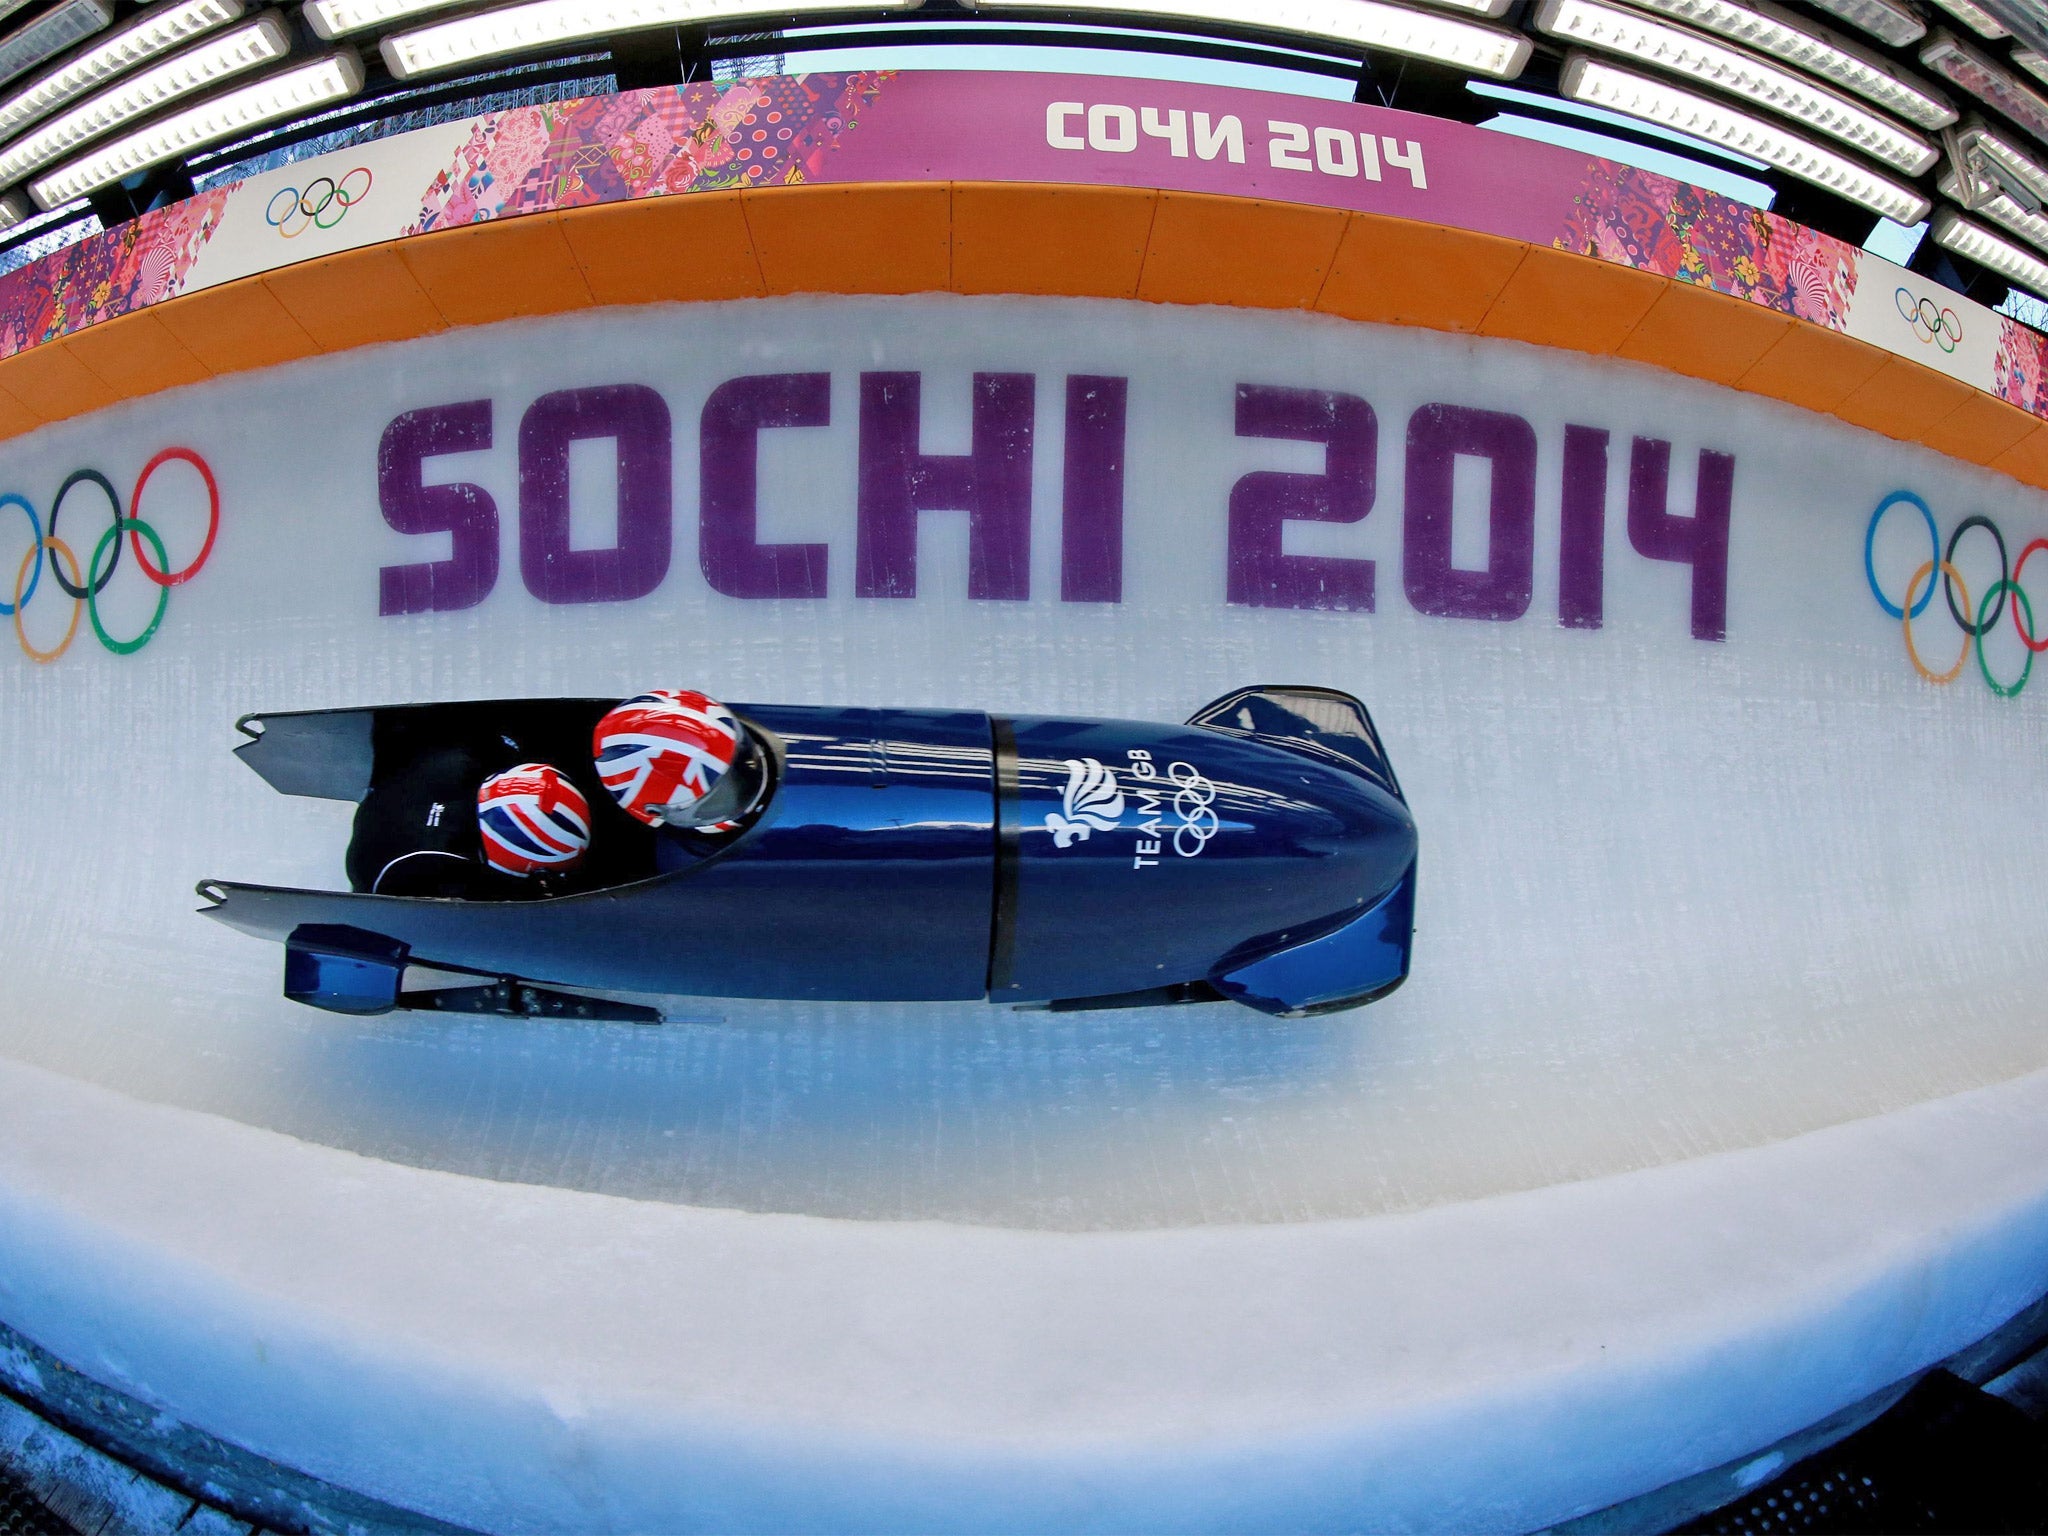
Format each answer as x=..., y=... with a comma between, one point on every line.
x=1079, y=130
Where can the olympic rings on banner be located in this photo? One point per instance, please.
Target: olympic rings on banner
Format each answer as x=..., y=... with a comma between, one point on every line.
x=2003, y=690
x=84, y=587
x=84, y=477
x=292, y=211
x=1942, y=559
x=36, y=527
x=1912, y=651
x=1897, y=498
x=56, y=547
x=1930, y=321
x=2026, y=637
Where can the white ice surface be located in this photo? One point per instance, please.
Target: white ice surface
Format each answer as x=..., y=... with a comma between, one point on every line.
x=1677, y=896
x=1746, y=939
x=530, y=1359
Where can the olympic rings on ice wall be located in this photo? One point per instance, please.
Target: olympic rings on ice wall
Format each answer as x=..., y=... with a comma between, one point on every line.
x=1975, y=623
x=292, y=211
x=85, y=582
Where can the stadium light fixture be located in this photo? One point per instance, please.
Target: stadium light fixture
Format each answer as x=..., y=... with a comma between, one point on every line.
x=1975, y=17
x=157, y=32
x=1644, y=40
x=1318, y=17
x=548, y=23
x=2007, y=165
x=1882, y=19
x=2001, y=208
x=13, y=209
x=2026, y=20
x=289, y=93
x=1987, y=82
x=337, y=18
x=262, y=41
x=1770, y=30
x=1479, y=50
x=1953, y=232
x=50, y=34
x=1599, y=84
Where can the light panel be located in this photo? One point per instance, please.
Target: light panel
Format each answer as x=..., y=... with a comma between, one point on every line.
x=337, y=18
x=50, y=34
x=1975, y=17
x=1952, y=232
x=158, y=31
x=1644, y=40
x=1882, y=19
x=259, y=42
x=1599, y=84
x=2003, y=211
x=546, y=23
x=288, y=93
x=1778, y=33
x=2026, y=20
x=1987, y=82
x=2006, y=163
x=13, y=209
x=1479, y=50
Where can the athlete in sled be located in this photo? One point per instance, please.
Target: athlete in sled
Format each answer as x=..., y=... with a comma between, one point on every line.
x=1261, y=853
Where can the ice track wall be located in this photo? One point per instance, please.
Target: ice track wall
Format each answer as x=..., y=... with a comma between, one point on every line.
x=1710, y=859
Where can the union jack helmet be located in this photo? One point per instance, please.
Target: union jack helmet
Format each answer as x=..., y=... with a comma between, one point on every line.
x=532, y=819
x=668, y=747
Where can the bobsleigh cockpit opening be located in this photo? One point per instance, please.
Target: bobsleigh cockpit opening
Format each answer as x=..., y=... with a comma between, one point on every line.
x=534, y=799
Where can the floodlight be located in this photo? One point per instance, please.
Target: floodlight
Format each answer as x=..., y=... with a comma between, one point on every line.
x=1975, y=17
x=2003, y=209
x=2007, y=164
x=262, y=41
x=1479, y=50
x=289, y=93
x=1882, y=19
x=543, y=24
x=1952, y=232
x=1987, y=82
x=13, y=209
x=157, y=32
x=50, y=34
x=1613, y=29
x=336, y=18
x=1770, y=30
x=1599, y=84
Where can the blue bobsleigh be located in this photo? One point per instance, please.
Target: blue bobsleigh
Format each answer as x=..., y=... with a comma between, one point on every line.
x=1261, y=853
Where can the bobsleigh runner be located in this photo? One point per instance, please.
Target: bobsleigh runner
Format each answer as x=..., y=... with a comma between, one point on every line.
x=1261, y=853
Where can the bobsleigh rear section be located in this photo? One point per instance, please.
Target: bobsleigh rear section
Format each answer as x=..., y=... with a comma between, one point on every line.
x=865, y=877
x=1261, y=853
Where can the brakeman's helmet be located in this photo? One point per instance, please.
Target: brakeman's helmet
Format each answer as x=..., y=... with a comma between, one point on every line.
x=533, y=820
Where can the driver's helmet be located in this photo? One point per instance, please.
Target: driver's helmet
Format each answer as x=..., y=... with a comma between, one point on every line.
x=661, y=753
x=533, y=820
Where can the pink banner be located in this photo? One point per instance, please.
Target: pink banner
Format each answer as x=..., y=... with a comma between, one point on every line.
x=940, y=126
